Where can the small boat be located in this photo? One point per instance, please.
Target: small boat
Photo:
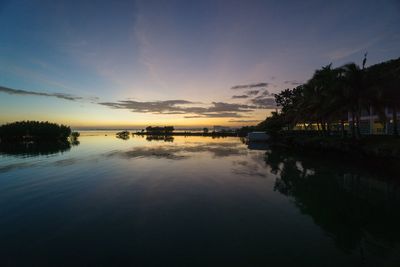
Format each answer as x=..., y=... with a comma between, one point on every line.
x=257, y=137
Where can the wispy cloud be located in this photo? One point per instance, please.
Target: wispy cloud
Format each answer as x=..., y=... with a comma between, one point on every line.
x=250, y=86
x=293, y=82
x=187, y=108
x=240, y=96
x=248, y=94
x=160, y=107
x=348, y=50
x=252, y=92
x=11, y=91
x=264, y=102
x=217, y=115
x=265, y=93
x=244, y=121
x=214, y=110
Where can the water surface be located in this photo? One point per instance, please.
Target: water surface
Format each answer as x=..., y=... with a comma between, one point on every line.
x=193, y=201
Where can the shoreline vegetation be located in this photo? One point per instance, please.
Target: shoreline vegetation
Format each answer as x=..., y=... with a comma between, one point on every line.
x=160, y=133
x=33, y=131
x=326, y=113
x=323, y=114
x=33, y=138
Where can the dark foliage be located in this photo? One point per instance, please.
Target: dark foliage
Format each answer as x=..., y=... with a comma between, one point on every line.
x=166, y=130
x=124, y=135
x=34, y=131
x=331, y=94
x=20, y=149
x=245, y=130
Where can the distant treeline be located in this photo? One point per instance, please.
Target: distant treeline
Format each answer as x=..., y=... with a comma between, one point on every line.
x=333, y=94
x=166, y=130
x=34, y=131
x=169, y=131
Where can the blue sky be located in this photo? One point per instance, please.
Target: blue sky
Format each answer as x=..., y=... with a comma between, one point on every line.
x=133, y=63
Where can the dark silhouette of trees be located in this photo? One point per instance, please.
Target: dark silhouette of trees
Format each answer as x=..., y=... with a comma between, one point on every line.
x=273, y=125
x=333, y=93
x=124, y=135
x=34, y=131
x=166, y=130
x=349, y=203
x=384, y=80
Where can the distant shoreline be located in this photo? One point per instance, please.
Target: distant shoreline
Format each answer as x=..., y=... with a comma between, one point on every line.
x=188, y=134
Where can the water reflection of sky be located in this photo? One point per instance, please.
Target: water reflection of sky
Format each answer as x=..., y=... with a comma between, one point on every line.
x=193, y=201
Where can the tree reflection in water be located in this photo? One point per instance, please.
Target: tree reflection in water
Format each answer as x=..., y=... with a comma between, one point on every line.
x=358, y=209
x=36, y=149
x=165, y=138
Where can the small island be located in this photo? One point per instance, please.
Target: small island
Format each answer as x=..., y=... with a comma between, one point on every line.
x=34, y=131
x=124, y=135
x=170, y=131
x=36, y=138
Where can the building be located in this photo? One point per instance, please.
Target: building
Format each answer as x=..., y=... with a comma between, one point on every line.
x=371, y=123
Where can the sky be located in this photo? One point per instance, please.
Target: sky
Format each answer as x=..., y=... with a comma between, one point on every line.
x=122, y=64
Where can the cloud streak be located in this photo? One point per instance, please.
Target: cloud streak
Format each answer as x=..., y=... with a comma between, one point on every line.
x=293, y=82
x=240, y=96
x=188, y=109
x=264, y=102
x=11, y=91
x=244, y=121
x=252, y=92
x=158, y=107
x=215, y=110
x=249, y=86
x=265, y=93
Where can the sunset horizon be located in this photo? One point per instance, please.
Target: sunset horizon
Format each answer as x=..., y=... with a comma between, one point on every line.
x=199, y=133
x=191, y=65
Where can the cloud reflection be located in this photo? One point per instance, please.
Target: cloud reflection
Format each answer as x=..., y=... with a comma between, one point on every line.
x=182, y=151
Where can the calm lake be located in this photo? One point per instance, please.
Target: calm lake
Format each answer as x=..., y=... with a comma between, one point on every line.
x=193, y=201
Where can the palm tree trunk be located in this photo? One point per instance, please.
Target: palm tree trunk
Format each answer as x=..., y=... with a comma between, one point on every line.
x=342, y=127
x=353, y=129
x=323, y=126
x=358, y=132
x=395, y=130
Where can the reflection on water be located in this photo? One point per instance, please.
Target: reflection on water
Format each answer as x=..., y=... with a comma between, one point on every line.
x=35, y=149
x=359, y=210
x=165, y=138
x=182, y=151
x=196, y=201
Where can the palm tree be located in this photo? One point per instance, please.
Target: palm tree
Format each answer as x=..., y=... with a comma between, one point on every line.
x=337, y=101
x=355, y=91
x=385, y=82
x=320, y=97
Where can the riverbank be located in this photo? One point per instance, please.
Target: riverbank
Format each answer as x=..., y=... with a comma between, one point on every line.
x=383, y=147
